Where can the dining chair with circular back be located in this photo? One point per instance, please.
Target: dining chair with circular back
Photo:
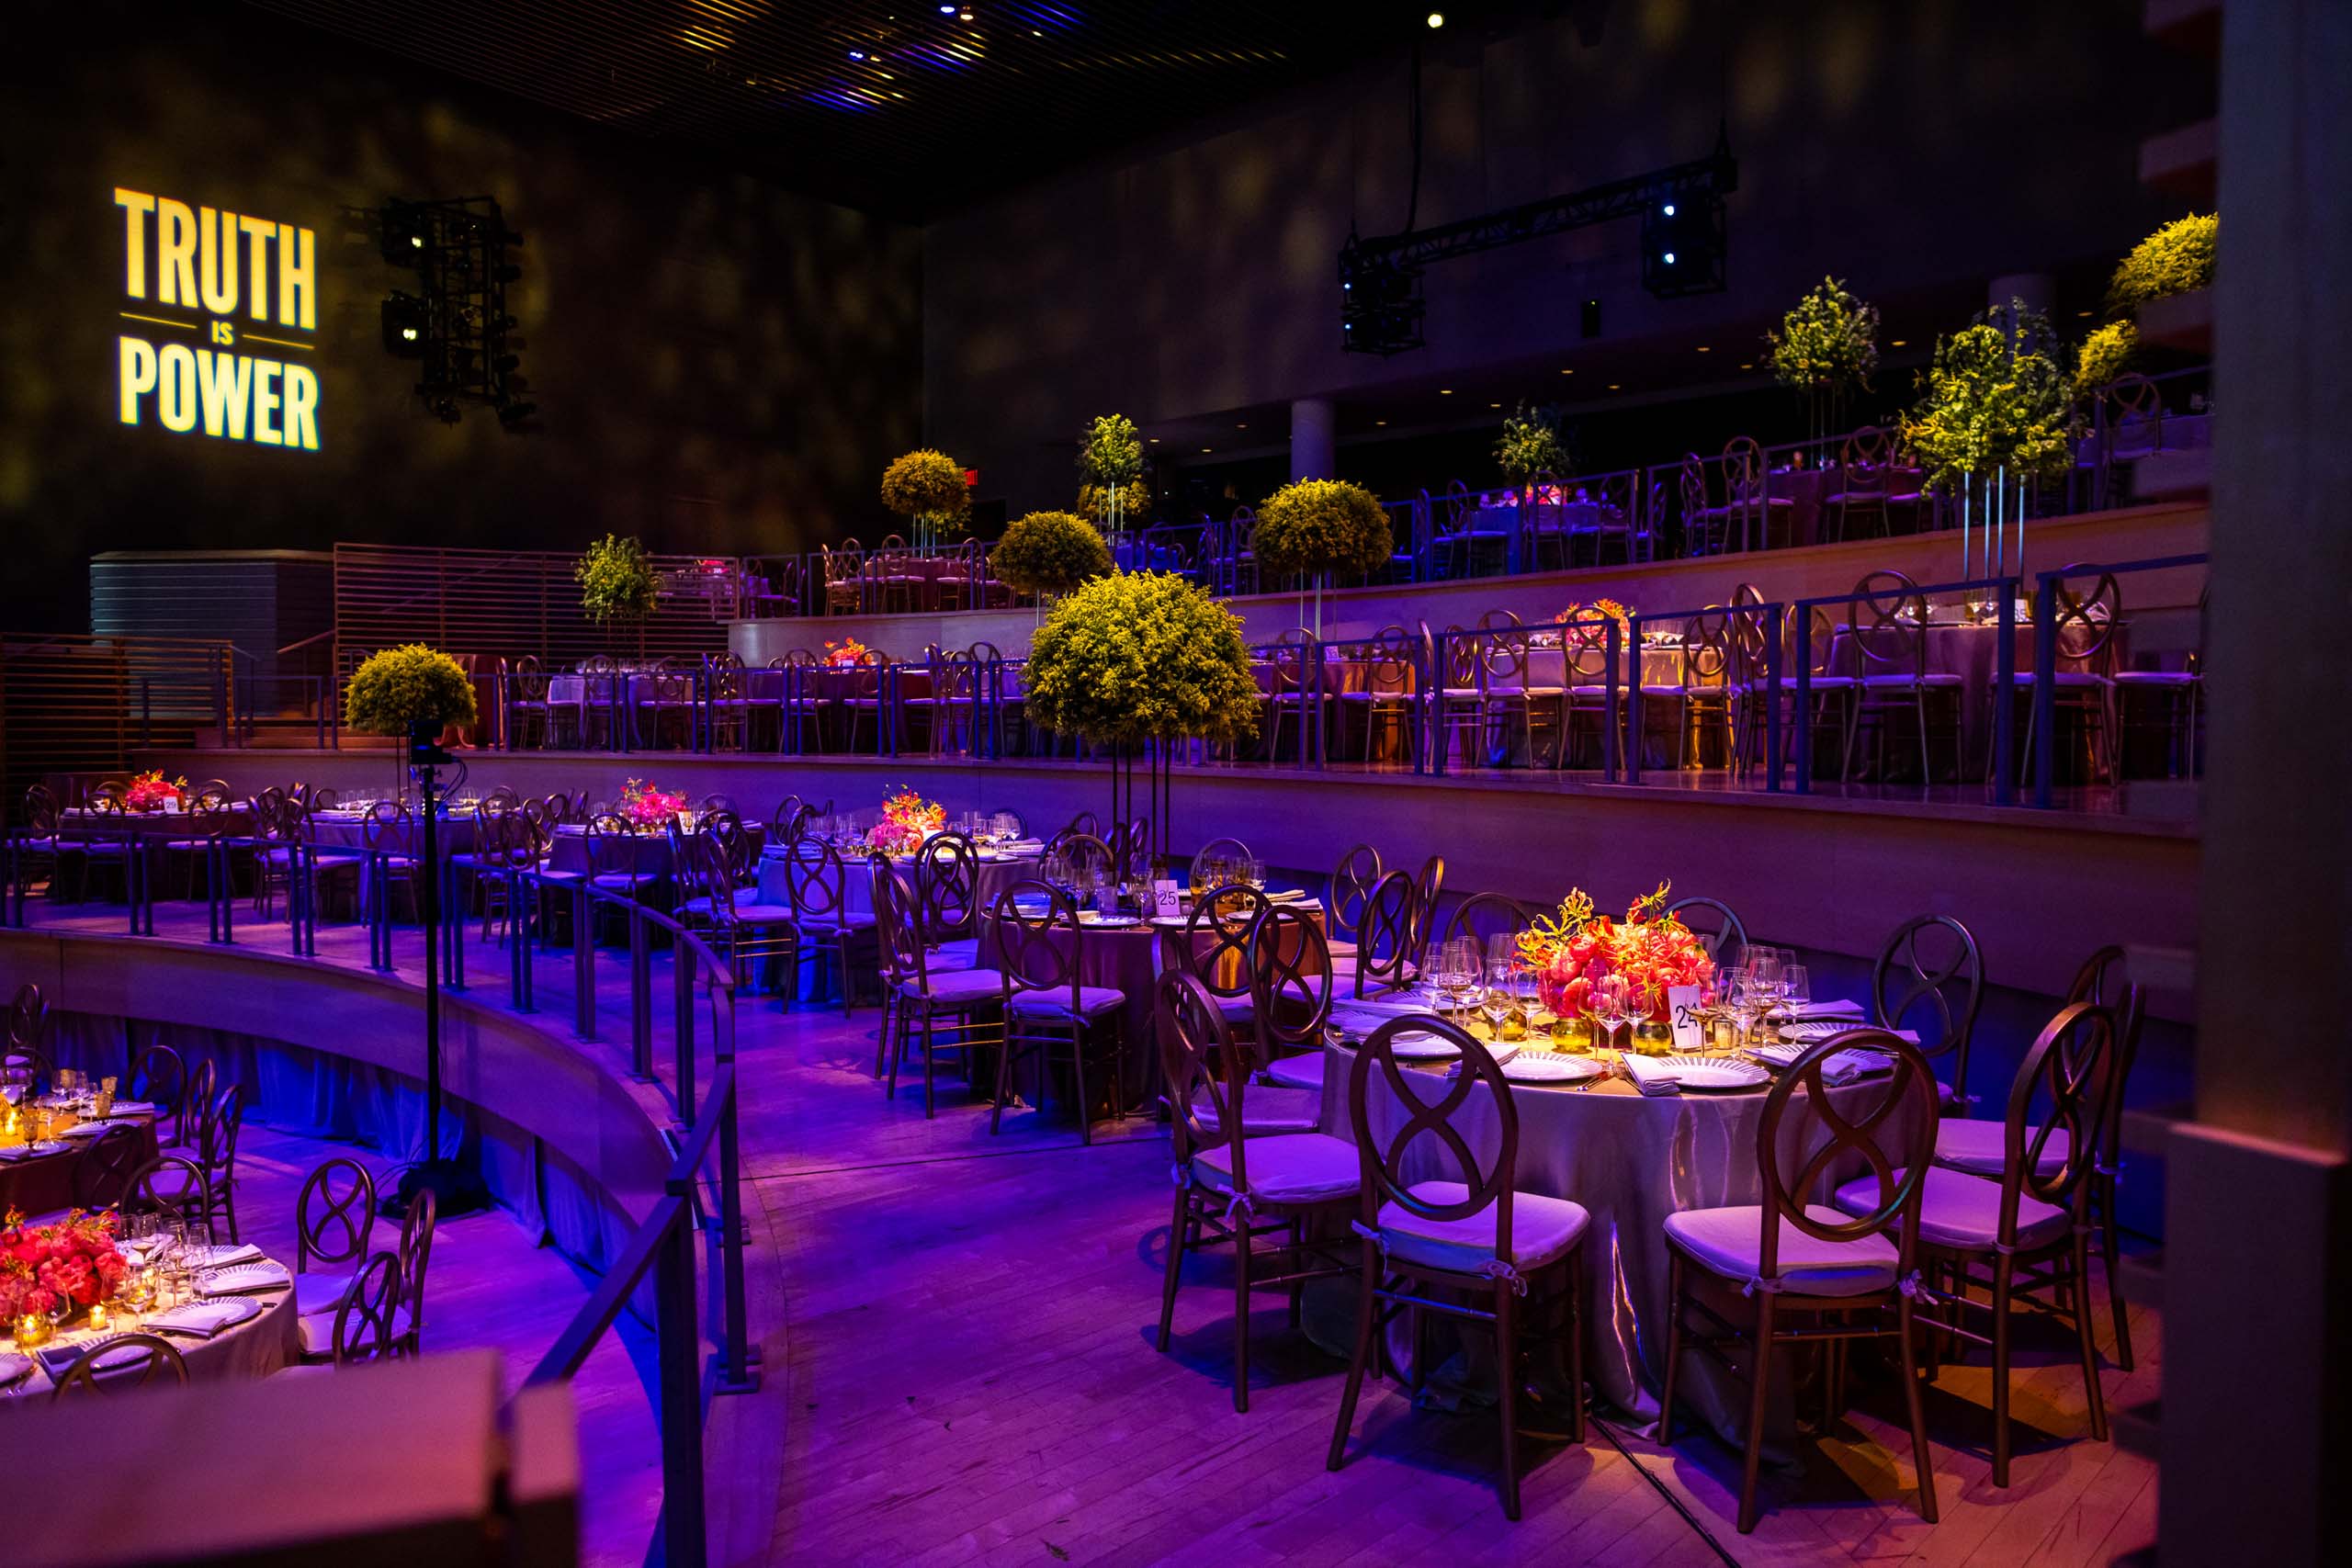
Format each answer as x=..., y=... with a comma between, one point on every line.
x=1084, y=852
x=1859, y=499
x=217, y=1152
x=817, y=886
x=1427, y=887
x=1484, y=917
x=1048, y=1005
x=173, y=1186
x=1386, y=958
x=1929, y=977
x=334, y=1216
x=1794, y=1257
x=2086, y=629
x=1380, y=684
x=1233, y=1188
x=959, y=1002
x=1717, y=927
x=2029, y=1232
x=1352, y=882
x=418, y=1225
x=1293, y=986
x=947, y=900
x=1434, y=1245
x=1227, y=849
x=103, y=1167
x=362, y=1330
x=1217, y=946
x=1705, y=690
x=759, y=940
x=1887, y=623
x=119, y=1364
x=158, y=1075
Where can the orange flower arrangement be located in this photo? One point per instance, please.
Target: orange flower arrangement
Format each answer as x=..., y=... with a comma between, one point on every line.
x=907, y=820
x=1609, y=607
x=1579, y=948
x=846, y=653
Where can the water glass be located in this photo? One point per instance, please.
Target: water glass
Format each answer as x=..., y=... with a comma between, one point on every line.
x=1796, y=985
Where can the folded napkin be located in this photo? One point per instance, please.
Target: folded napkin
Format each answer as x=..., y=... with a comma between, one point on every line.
x=87, y=1130
x=1823, y=1028
x=1842, y=1068
x=13, y=1152
x=1649, y=1077
x=14, y=1370
x=1289, y=896
x=1022, y=847
x=1833, y=1008
x=58, y=1357
x=225, y=1256
x=133, y=1107
x=202, y=1319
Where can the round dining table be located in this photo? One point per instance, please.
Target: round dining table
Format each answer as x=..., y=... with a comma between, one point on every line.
x=267, y=1342
x=37, y=1179
x=1630, y=1160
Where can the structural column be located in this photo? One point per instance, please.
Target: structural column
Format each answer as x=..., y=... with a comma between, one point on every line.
x=2255, y=1425
x=1313, y=439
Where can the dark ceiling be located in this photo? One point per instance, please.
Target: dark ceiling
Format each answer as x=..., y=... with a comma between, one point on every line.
x=906, y=107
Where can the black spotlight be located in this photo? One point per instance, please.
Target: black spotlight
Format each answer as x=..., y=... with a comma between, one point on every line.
x=1682, y=244
x=1380, y=306
x=407, y=233
x=407, y=322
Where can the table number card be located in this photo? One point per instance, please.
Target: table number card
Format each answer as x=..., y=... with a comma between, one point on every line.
x=1683, y=1007
x=1164, y=897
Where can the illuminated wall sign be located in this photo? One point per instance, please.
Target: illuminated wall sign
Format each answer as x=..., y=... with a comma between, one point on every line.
x=204, y=277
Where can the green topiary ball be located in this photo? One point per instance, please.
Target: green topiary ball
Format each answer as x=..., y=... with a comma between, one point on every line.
x=393, y=690
x=925, y=483
x=1049, y=553
x=1142, y=655
x=2175, y=259
x=1317, y=525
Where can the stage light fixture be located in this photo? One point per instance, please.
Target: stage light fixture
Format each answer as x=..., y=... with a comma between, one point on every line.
x=1682, y=246
x=1437, y=19
x=406, y=320
x=402, y=231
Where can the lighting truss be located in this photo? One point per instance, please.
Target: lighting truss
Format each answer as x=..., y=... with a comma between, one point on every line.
x=463, y=345
x=1373, y=269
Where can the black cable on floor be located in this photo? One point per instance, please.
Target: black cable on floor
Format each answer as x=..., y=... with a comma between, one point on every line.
x=1663, y=1490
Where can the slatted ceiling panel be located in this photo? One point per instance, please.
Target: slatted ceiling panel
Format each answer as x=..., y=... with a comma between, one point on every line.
x=885, y=104
x=495, y=604
x=83, y=704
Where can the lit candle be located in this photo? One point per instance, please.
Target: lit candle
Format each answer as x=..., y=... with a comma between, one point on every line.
x=100, y=1317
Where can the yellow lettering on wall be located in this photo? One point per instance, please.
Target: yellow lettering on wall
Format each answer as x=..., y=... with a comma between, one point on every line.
x=175, y=401
x=258, y=232
x=266, y=429
x=298, y=304
x=224, y=380
x=138, y=357
x=136, y=206
x=176, y=254
x=217, y=259
x=301, y=408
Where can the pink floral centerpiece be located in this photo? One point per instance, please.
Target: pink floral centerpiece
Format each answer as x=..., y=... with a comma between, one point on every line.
x=648, y=807
x=1650, y=948
x=845, y=654
x=907, y=820
x=60, y=1268
x=148, y=791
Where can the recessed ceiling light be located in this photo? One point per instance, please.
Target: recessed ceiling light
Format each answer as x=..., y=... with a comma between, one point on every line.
x=1240, y=427
x=857, y=54
x=1380, y=421
x=1445, y=391
x=2082, y=313
x=1437, y=19
x=1567, y=372
x=1612, y=386
x=1493, y=405
x=1897, y=342
x=1203, y=448
x=1704, y=349
x=1155, y=441
x=1749, y=365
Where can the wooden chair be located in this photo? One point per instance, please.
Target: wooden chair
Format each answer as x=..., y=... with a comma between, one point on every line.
x=173, y=1186
x=1860, y=498
x=1294, y=986
x=217, y=1152
x=1386, y=958
x=1929, y=977
x=198, y=1102
x=124, y=1361
x=334, y=1215
x=417, y=1227
x=2082, y=685
x=947, y=900
x=1239, y=1189
x=1887, y=621
x=1795, y=1258
x=816, y=884
x=1353, y=880
x=1385, y=696
x=750, y=933
x=362, y=1330
x=1434, y=1245
x=1719, y=931
x=1046, y=1002
x=915, y=992
x=527, y=710
x=2031, y=1233
x=1216, y=946
x=104, y=1167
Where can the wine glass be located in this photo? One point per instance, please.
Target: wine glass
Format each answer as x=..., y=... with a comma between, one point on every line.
x=1796, y=987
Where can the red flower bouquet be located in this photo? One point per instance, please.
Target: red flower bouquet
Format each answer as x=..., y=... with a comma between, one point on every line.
x=148, y=791
x=63, y=1266
x=648, y=807
x=1650, y=948
x=844, y=654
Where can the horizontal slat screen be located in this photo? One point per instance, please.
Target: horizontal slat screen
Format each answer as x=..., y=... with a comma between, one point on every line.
x=503, y=603
x=71, y=704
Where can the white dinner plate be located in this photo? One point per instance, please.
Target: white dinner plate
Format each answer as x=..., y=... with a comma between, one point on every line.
x=1170, y=923
x=244, y=1278
x=1420, y=1045
x=1108, y=922
x=15, y=1370
x=1550, y=1067
x=1714, y=1072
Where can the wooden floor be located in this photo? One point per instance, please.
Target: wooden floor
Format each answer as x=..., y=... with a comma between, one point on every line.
x=491, y=1285
x=972, y=1380
x=960, y=1329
